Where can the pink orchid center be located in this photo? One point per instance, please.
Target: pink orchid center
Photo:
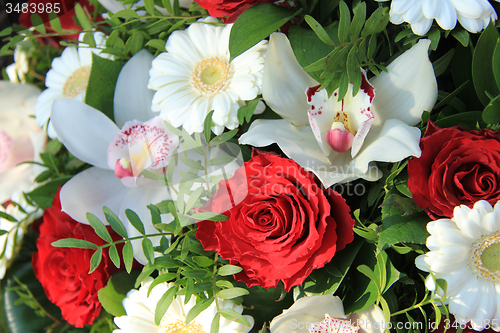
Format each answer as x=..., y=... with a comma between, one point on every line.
x=141, y=146
x=339, y=138
x=5, y=147
x=330, y=325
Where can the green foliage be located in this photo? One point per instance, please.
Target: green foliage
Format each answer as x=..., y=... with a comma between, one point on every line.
x=101, y=87
x=112, y=295
x=255, y=24
x=482, y=70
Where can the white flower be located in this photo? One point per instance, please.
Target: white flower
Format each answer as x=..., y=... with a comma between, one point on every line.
x=19, y=68
x=194, y=77
x=338, y=141
x=464, y=251
x=117, y=155
x=20, y=139
x=114, y=6
x=473, y=15
x=9, y=242
x=325, y=313
x=141, y=314
x=67, y=79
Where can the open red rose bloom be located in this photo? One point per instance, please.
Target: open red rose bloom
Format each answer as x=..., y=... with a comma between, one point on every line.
x=457, y=167
x=63, y=272
x=282, y=226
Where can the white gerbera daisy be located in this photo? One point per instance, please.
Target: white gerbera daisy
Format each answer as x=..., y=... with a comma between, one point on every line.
x=195, y=77
x=473, y=15
x=15, y=231
x=141, y=314
x=67, y=79
x=465, y=252
x=16, y=71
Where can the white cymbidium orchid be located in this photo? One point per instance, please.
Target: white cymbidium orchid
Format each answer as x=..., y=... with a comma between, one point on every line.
x=117, y=155
x=339, y=141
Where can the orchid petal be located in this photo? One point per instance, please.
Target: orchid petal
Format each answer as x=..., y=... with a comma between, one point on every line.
x=285, y=81
x=407, y=89
x=89, y=191
x=370, y=320
x=137, y=199
x=134, y=77
x=394, y=142
x=298, y=143
x=322, y=114
x=84, y=131
x=19, y=178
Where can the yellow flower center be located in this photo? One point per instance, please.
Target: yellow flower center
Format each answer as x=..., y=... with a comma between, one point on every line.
x=485, y=256
x=77, y=82
x=210, y=76
x=179, y=326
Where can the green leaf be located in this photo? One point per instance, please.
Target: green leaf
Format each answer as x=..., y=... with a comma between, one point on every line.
x=37, y=22
x=464, y=119
x=126, y=13
x=341, y=263
x=442, y=63
x=113, y=255
x=128, y=256
x=135, y=221
x=158, y=44
x=229, y=270
x=353, y=70
x=99, y=228
x=496, y=63
x=319, y=30
x=344, y=86
x=224, y=137
x=255, y=24
x=134, y=43
x=207, y=126
x=203, y=261
x=55, y=22
x=95, y=260
x=344, y=22
x=44, y=195
x=461, y=35
x=209, y=216
x=161, y=279
x=101, y=87
x=358, y=20
x=232, y=293
x=74, y=242
x=197, y=309
x=214, y=328
x=147, y=247
x=115, y=291
x=196, y=273
x=7, y=217
x=482, y=70
x=164, y=303
x=246, y=111
x=82, y=17
x=115, y=222
x=150, y=6
x=89, y=39
x=403, y=229
x=491, y=113
x=221, y=160
x=232, y=315
x=376, y=22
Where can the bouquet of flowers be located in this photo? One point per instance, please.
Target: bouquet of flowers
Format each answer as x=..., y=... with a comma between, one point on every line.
x=250, y=166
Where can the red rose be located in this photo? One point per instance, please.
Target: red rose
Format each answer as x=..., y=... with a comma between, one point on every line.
x=66, y=18
x=457, y=167
x=63, y=272
x=230, y=8
x=283, y=225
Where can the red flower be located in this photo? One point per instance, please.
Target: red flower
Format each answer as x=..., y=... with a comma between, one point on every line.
x=283, y=225
x=65, y=16
x=63, y=272
x=230, y=8
x=457, y=167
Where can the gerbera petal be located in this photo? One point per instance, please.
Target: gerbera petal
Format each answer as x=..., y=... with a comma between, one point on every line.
x=89, y=191
x=407, y=89
x=85, y=131
x=447, y=18
x=134, y=78
x=285, y=81
x=431, y=8
x=422, y=26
